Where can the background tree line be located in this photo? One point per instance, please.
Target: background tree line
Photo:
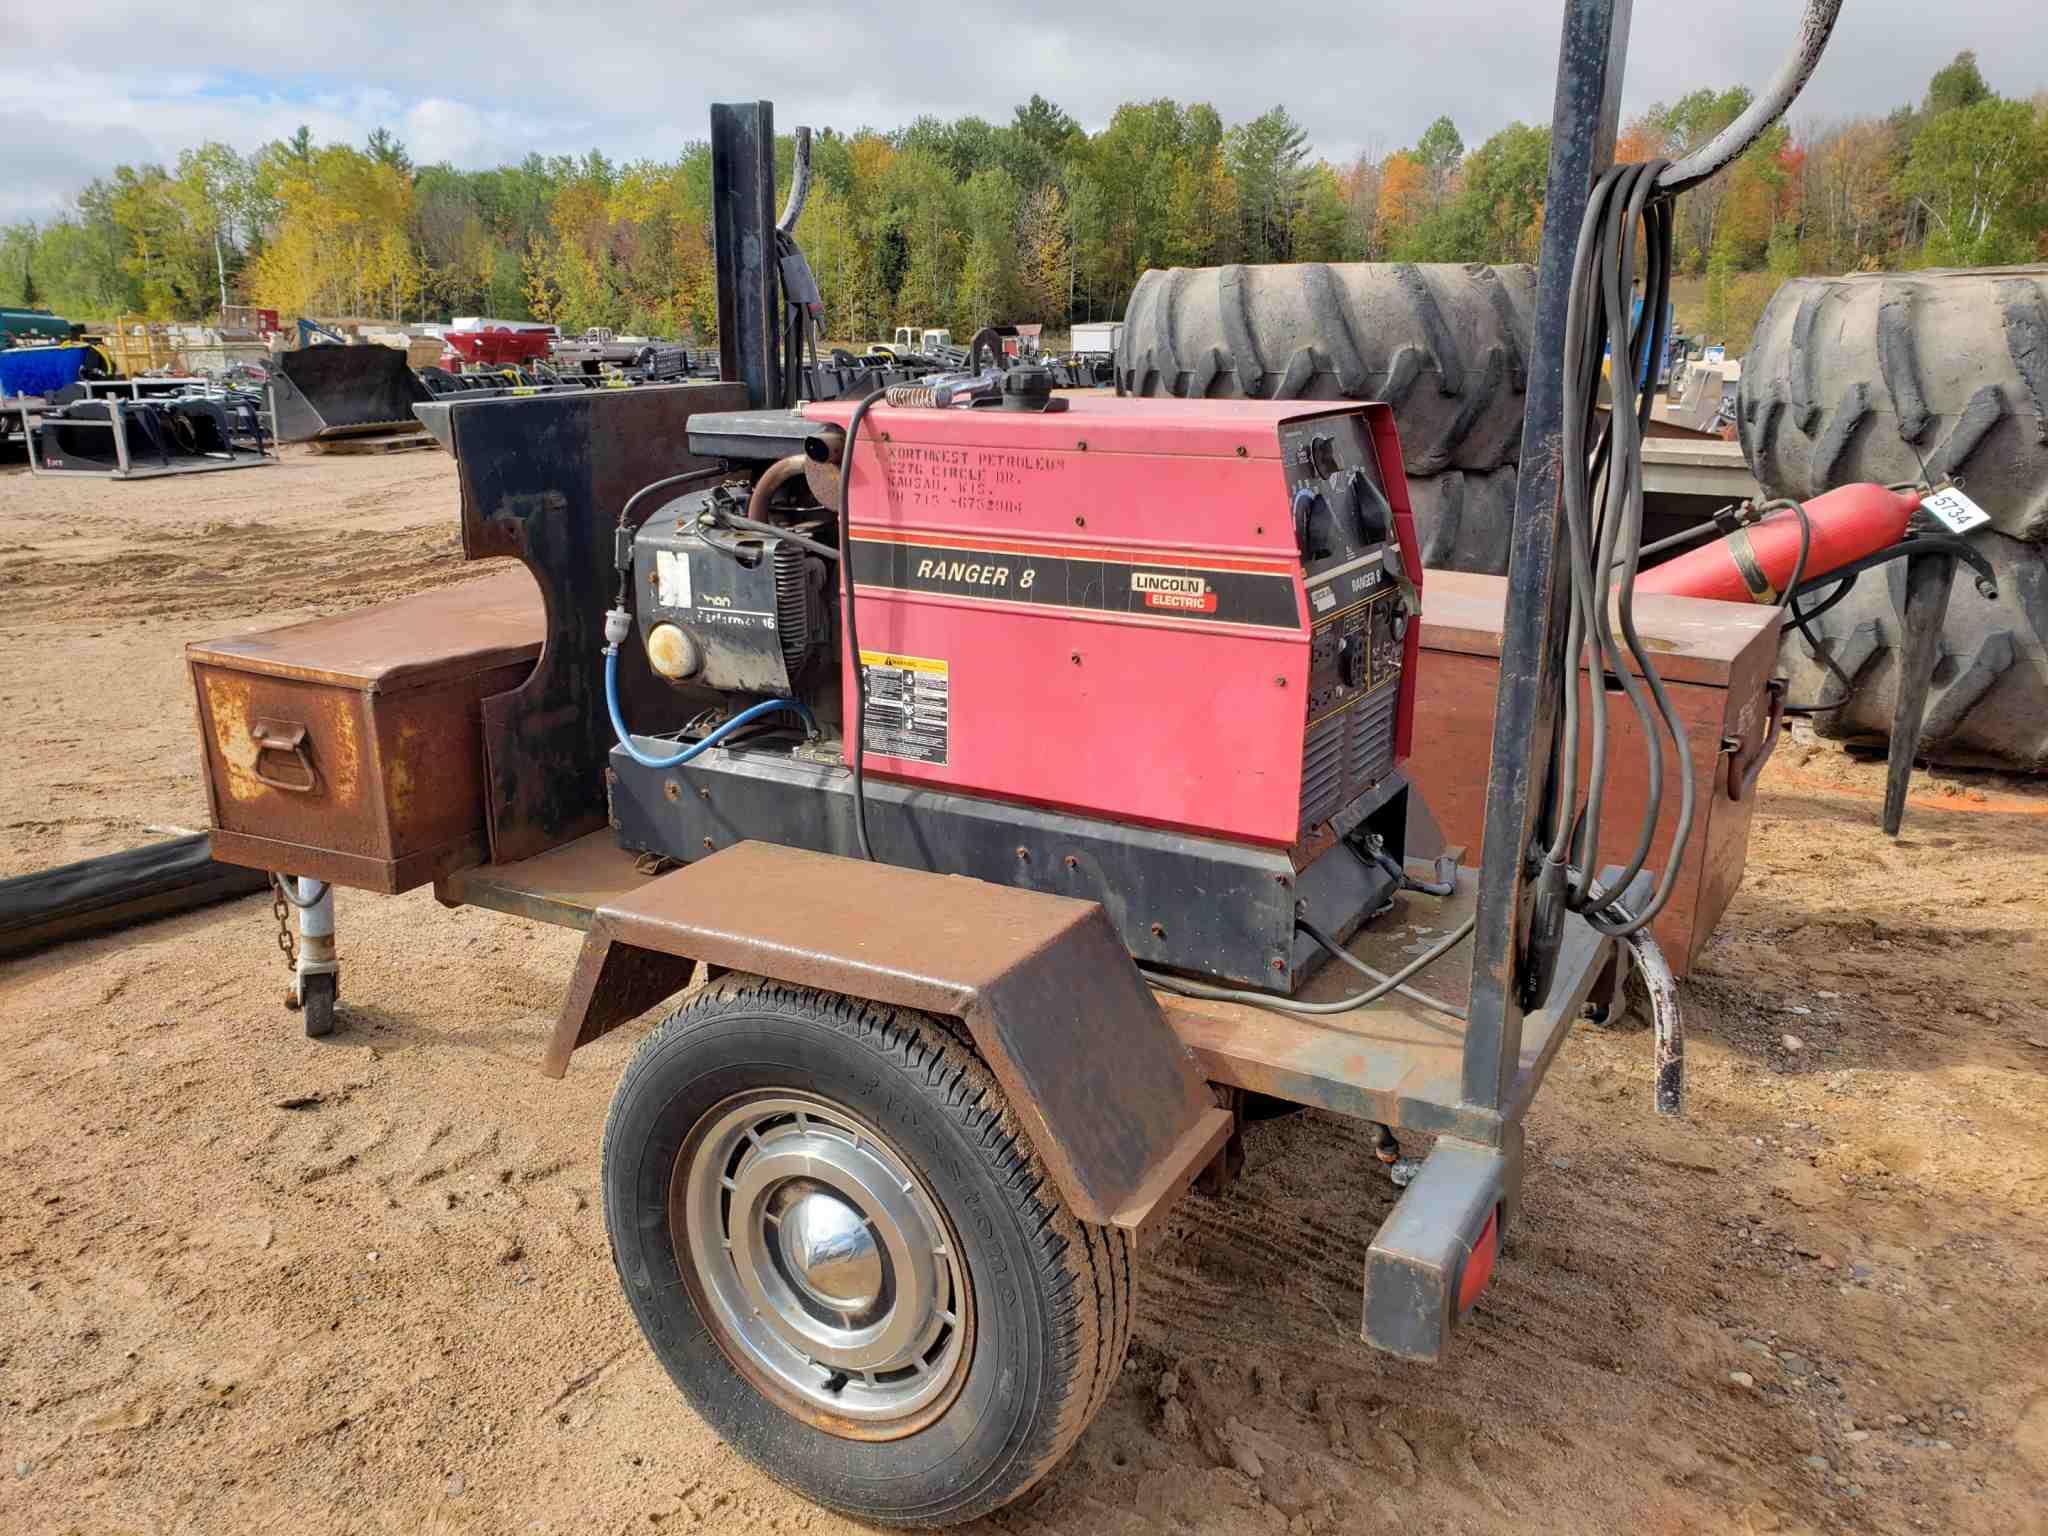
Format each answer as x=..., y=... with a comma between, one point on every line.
x=966, y=222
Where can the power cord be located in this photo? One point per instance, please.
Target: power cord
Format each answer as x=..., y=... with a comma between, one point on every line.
x=857, y=730
x=1339, y=952
x=1186, y=988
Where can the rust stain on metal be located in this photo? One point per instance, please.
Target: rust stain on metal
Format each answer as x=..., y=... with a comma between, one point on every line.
x=332, y=742
x=349, y=748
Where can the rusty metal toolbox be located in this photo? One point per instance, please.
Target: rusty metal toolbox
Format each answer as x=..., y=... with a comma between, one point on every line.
x=1717, y=661
x=350, y=748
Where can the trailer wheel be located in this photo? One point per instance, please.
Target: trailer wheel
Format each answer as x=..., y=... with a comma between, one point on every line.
x=834, y=1234
x=317, y=995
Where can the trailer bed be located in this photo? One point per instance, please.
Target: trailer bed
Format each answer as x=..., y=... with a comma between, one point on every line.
x=1394, y=1061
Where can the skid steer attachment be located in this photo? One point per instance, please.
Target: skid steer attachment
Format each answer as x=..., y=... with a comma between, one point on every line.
x=328, y=392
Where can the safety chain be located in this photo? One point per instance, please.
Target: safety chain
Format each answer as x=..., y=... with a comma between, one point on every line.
x=282, y=908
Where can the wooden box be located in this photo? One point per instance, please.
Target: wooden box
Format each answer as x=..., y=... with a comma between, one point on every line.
x=1717, y=661
x=351, y=748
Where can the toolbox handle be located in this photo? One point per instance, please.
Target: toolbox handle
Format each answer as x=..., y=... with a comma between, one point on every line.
x=283, y=736
x=1745, y=763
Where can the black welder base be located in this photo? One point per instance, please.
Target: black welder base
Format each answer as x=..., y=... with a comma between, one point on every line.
x=1199, y=905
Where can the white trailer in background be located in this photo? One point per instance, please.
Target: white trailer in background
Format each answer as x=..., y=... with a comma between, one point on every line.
x=1098, y=338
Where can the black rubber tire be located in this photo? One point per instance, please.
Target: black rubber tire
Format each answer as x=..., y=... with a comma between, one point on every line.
x=1988, y=705
x=1465, y=519
x=1046, y=1350
x=317, y=997
x=1446, y=346
x=1865, y=377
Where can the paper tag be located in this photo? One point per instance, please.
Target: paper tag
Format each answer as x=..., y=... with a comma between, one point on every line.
x=672, y=578
x=1955, y=511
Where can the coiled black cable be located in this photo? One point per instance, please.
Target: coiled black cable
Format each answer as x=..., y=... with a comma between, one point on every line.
x=1602, y=501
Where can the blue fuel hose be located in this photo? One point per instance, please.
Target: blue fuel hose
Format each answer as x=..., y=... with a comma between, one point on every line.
x=744, y=717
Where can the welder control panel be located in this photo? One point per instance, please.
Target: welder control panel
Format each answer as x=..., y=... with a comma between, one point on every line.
x=1342, y=523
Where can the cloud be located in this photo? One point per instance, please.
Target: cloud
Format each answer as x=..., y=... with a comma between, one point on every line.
x=480, y=86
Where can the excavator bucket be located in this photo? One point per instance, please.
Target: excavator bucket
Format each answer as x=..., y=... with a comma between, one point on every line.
x=327, y=392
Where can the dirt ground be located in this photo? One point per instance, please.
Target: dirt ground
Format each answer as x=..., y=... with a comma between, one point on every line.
x=254, y=1282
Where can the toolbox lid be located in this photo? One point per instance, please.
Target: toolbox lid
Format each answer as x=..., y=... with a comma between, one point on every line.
x=412, y=642
x=1694, y=639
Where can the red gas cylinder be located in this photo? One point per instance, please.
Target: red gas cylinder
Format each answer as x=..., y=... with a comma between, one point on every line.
x=1752, y=564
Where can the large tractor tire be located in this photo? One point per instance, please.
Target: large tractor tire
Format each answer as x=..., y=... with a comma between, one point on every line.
x=1988, y=705
x=1872, y=376
x=1464, y=519
x=1446, y=346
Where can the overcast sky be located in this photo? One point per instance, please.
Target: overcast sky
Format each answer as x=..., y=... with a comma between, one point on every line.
x=91, y=83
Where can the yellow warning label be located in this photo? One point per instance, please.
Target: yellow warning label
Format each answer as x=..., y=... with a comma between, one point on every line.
x=909, y=707
x=902, y=663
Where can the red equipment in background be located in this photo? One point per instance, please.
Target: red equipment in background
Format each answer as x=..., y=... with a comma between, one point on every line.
x=1754, y=564
x=500, y=346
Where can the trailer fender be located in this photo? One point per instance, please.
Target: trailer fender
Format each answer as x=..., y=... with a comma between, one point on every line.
x=1111, y=1098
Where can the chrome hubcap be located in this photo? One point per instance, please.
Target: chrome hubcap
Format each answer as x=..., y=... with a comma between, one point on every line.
x=831, y=1252
x=822, y=1262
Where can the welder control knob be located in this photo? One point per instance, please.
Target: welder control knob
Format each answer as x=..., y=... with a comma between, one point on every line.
x=1308, y=501
x=674, y=653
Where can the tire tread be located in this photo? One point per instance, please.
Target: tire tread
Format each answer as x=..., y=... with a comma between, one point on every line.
x=1082, y=1269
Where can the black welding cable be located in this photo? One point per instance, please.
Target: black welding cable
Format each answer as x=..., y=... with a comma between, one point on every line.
x=1620, y=515
x=652, y=486
x=1408, y=882
x=857, y=729
x=1620, y=549
x=755, y=525
x=1580, y=378
x=1186, y=988
x=1694, y=535
x=1339, y=952
x=1601, y=493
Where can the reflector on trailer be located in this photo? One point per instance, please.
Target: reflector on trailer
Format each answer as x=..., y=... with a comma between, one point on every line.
x=1479, y=1267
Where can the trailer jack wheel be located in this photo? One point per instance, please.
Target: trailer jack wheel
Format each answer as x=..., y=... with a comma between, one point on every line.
x=317, y=996
x=833, y=1232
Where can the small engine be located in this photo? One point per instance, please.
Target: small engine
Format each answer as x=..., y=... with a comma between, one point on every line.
x=730, y=609
x=1153, y=654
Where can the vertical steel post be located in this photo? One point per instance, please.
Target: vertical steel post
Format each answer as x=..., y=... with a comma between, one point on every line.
x=1928, y=580
x=743, y=241
x=1584, y=118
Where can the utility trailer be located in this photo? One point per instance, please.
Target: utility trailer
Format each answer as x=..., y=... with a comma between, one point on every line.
x=993, y=921
x=873, y=1256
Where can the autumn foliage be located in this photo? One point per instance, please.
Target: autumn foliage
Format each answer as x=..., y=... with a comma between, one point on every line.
x=1031, y=219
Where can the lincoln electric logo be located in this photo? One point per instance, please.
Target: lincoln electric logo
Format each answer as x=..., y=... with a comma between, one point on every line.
x=1182, y=594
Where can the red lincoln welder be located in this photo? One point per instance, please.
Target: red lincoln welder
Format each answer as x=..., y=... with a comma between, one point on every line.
x=1156, y=655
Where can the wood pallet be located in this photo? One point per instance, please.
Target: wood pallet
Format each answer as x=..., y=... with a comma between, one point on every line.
x=385, y=442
